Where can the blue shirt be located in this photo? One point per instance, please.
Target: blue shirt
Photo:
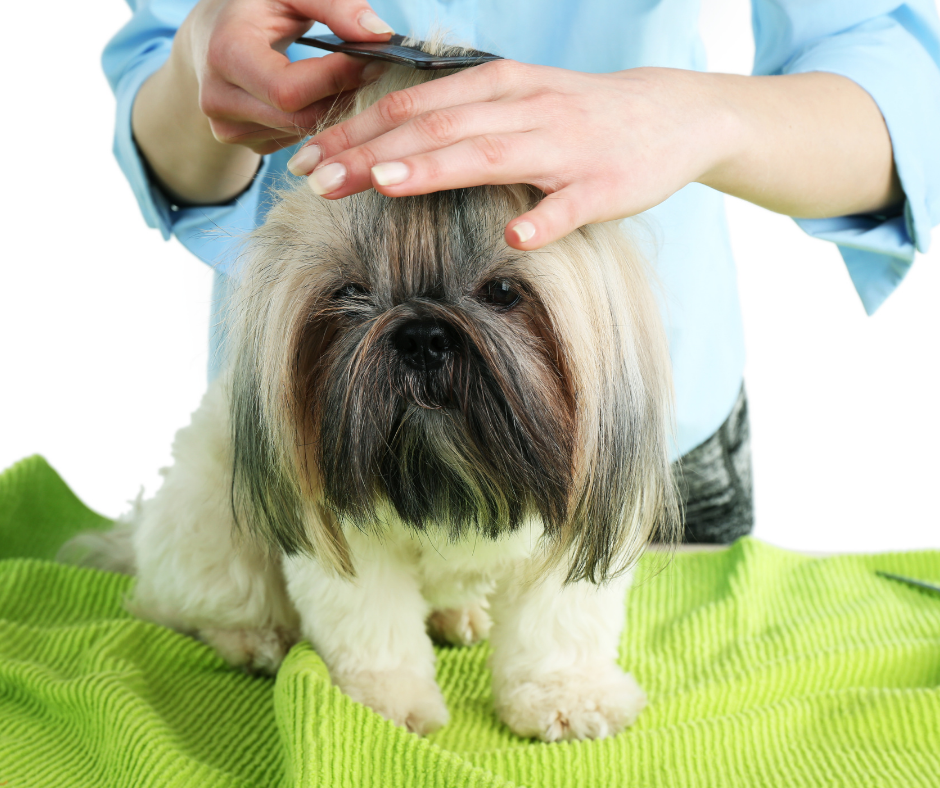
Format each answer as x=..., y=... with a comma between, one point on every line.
x=891, y=49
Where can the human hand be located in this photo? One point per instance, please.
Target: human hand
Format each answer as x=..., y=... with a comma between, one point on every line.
x=601, y=146
x=250, y=92
x=608, y=146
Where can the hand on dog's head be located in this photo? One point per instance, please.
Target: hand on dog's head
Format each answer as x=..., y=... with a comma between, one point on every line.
x=394, y=357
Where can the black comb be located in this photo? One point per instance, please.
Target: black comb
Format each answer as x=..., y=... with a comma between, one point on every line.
x=395, y=51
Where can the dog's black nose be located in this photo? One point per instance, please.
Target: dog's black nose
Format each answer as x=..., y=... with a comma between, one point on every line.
x=424, y=344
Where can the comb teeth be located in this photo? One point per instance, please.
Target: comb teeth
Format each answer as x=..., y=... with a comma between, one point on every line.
x=395, y=51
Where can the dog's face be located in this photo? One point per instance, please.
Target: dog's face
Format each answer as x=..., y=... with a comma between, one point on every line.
x=430, y=374
x=396, y=354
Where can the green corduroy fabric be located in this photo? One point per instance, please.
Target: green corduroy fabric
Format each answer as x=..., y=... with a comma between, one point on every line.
x=763, y=668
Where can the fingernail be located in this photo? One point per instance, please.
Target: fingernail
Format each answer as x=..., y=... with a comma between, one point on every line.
x=327, y=179
x=390, y=174
x=303, y=162
x=371, y=22
x=373, y=71
x=525, y=231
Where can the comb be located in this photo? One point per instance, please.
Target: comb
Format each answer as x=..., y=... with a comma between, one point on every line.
x=395, y=51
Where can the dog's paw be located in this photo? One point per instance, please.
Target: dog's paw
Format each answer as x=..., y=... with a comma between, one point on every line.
x=592, y=702
x=255, y=650
x=460, y=626
x=399, y=695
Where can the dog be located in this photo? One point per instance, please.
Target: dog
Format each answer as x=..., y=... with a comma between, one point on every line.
x=421, y=433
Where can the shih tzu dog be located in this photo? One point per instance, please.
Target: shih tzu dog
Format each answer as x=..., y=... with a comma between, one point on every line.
x=422, y=433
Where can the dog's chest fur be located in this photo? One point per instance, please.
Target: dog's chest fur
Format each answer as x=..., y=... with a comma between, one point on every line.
x=451, y=573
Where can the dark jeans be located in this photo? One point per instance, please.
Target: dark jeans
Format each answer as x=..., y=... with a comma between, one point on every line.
x=715, y=482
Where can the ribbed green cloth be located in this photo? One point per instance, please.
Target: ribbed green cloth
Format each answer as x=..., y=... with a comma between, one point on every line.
x=763, y=668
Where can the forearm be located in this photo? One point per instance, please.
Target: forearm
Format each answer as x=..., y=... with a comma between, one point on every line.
x=806, y=145
x=176, y=139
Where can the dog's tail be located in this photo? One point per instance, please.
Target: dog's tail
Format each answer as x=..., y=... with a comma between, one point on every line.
x=111, y=551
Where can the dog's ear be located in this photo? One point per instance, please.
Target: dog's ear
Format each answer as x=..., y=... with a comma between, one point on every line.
x=609, y=328
x=626, y=494
x=274, y=495
x=271, y=351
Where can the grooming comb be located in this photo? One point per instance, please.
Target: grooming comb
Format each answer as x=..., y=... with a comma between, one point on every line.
x=395, y=51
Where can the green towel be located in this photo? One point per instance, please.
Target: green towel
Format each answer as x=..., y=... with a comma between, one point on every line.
x=763, y=668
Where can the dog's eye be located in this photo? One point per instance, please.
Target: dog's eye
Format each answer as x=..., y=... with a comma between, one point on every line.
x=350, y=291
x=499, y=293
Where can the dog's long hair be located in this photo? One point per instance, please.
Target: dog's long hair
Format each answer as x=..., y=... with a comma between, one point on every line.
x=552, y=399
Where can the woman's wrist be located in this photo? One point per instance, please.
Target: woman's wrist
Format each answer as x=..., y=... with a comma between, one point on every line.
x=724, y=129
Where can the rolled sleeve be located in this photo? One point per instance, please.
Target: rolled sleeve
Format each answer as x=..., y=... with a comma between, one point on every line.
x=895, y=57
x=211, y=232
x=130, y=58
x=153, y=204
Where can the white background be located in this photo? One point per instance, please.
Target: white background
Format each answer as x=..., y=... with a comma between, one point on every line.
x=103, y=325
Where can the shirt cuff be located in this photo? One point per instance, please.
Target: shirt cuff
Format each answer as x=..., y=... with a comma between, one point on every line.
x=153, y=203
x=888, y=62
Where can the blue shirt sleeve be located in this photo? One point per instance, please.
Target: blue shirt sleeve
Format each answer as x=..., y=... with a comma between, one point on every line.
x=136, y=52
x=892, y=50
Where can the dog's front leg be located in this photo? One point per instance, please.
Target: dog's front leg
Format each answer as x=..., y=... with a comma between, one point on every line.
x=555, y=672
x=370, y=632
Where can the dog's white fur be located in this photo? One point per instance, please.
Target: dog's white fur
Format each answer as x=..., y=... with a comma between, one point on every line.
x=554, y=645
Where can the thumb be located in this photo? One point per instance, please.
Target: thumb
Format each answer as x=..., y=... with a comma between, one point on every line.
x=351, y=21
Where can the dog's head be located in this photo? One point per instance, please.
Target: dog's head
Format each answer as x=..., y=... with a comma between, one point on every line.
x=397, y=355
